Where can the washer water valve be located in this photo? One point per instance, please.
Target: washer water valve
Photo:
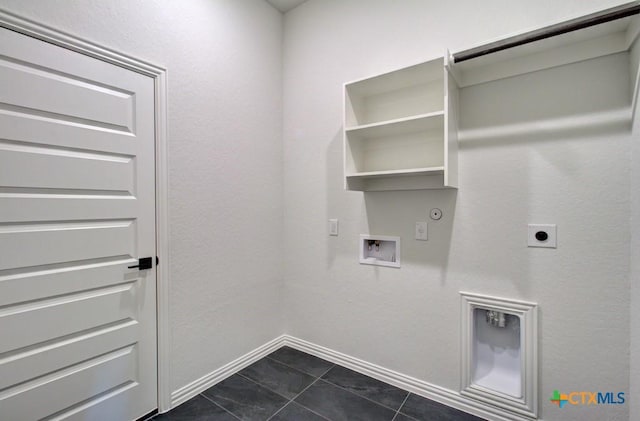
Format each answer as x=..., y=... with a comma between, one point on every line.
x=496, y=318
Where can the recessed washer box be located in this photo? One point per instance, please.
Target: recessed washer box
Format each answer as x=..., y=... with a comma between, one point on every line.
x=380, y=250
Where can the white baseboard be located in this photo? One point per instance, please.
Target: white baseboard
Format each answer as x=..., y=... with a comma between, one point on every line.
x=203, y=383
x=419, y=387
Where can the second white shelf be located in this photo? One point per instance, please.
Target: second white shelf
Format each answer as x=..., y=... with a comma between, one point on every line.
x=399, y=173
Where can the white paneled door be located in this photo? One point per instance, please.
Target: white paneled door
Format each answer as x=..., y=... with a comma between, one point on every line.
x=77, y=208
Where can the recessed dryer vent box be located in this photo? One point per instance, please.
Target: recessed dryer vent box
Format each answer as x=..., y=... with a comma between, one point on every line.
x=380, y=250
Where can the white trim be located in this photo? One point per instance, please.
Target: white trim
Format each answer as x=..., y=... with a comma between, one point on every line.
x=159, y=74
x=162, y=244
x=71, y=42
x=203, y=383
x=527, y=405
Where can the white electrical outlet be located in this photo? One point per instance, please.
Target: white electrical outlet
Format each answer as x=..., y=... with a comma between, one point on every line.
x=422, y=231
x=333, y=227
x=542, y=235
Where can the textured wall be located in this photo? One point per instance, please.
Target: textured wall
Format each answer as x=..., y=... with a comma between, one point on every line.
x=225, y=160
x=408, y=319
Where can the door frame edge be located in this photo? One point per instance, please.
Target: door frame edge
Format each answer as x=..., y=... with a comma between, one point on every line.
x=159, y=74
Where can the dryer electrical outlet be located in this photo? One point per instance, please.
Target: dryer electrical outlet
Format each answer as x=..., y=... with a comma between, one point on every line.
x=542, y=235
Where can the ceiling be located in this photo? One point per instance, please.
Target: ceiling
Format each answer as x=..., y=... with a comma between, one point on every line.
x=285, y=5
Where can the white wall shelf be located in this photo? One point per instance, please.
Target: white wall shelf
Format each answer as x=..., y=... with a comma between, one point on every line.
x=399, y=126
x=399, y=173
x=400, y=130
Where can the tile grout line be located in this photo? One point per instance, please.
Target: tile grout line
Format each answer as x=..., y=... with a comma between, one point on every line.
x=289, y=400
x=220, y=406
x=279, y=410
x=304, y=372
x=295, y=397
x=333, y=384
x=312, y=411
x=301, y=392
x=330, y=368
x=297, y=369
x=364, y=397
x=401, y=405
x=262, y=385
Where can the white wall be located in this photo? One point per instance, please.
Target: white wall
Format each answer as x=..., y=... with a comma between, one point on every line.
x=225, y=160
x=408, y=319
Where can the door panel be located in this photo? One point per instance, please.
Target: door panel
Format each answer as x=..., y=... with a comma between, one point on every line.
x=63, y=279
x=80, y=382
x=77, y=207
x=52, y=131
x=38, y=244
x=82, y=170
x=57, y=205
x=111, y=107
x=57, y=317
x=65, y=352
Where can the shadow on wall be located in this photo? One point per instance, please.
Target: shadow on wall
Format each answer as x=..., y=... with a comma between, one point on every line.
x=574, y=101
x=396, y=212
x=335, y=183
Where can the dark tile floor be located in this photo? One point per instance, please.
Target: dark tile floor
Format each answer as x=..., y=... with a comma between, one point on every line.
x=289, y=385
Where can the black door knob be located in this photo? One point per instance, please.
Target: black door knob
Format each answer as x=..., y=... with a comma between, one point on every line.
x=143, y=263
